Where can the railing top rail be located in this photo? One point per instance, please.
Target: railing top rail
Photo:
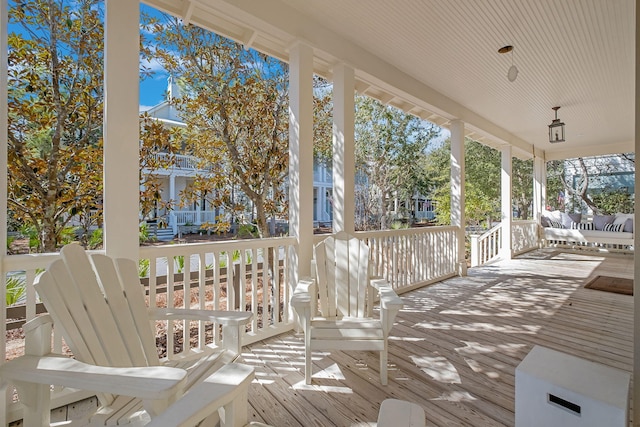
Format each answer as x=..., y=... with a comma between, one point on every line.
x=405, y=231
x=490, y=231
x=226, y=245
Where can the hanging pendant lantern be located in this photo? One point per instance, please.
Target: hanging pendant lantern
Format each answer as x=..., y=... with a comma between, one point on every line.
x=556, y=129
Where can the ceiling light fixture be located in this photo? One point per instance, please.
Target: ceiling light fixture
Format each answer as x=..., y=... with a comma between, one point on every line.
x=512, y=74
x=556, y=129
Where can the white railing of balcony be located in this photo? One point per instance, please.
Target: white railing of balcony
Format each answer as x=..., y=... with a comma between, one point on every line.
x=487, y=246
x=194, y=217
x=180, y=160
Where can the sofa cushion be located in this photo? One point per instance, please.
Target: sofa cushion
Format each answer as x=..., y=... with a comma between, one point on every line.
x=626, y=219
x=601, y=220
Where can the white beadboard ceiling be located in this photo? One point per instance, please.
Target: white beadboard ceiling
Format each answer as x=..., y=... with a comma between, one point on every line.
x=439, y=60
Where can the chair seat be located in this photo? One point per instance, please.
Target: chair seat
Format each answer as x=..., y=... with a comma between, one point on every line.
x=358, y=329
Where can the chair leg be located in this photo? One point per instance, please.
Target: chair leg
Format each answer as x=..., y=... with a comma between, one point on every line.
x=383, y=367
x=307, y=365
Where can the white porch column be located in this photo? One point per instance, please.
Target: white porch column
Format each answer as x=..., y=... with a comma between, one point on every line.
x=301, y=159
x=3, y=181
x=539, y=185
x=636, y=243
x=344, y=85
x=121, y=128
x=506, y=205
x=457, y=190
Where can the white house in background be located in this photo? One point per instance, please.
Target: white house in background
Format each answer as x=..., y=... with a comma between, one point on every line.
x=182, y=175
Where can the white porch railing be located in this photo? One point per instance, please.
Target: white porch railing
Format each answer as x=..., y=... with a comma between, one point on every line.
x=524, y=236
x=408, y=258
x=487, y=246
x=412, y=257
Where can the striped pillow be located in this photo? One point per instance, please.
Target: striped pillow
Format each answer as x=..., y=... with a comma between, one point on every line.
x=583, y=226
x=555, y=224
x=613, y=227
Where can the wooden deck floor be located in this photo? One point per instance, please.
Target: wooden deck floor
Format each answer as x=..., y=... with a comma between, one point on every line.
x=455, y=346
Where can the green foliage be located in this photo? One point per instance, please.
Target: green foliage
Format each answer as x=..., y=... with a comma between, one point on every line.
x=67, y=235
x=390, y=150
x=16, y=289
x=179, y=263
x=143, y=234
x=399, y=225
x=612, y=202
x=31, y=232
x=247, y=231
x=144, y=267
x=482, y=182
x=10, y=240
x=95, y=239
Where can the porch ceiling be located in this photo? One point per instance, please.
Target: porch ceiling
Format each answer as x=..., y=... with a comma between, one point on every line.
x=438, y=59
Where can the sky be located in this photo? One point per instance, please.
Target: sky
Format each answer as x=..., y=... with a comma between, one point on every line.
x=152, y=89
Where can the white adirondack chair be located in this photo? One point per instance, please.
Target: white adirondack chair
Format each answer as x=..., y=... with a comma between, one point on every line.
x=336, y=307
x=99, y=306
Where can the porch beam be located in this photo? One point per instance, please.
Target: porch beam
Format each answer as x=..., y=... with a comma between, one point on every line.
x=343, y=149
x=121, y=128
x=457, y=190
x=301, y=159
x=506, y=205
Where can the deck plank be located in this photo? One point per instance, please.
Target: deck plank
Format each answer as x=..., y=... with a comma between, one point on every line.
x=455, y=345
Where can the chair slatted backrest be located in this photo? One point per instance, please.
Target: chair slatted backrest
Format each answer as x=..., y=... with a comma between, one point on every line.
x=342, y=274
x=101, y=320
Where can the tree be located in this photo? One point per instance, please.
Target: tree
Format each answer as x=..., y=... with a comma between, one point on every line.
x=596, y=183
x=55, y=98
x=522, y=186
x=390, y=146
x=158, y=148
x=234, y=104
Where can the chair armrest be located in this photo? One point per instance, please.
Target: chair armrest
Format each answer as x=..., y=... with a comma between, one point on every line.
x=153, y=382
x=223, y=317
x=389, y=300
x=229, y=383
x=301, y=298
x=388, y=297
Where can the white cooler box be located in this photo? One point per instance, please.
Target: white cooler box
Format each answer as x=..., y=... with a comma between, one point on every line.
x=557, y=389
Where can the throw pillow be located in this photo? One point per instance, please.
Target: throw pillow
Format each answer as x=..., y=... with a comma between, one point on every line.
x=555, y=224
x=583, y=226
x=601, y=220
x=544, y=221
x=626, y=219
x=568, y=218
x=613, y=227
